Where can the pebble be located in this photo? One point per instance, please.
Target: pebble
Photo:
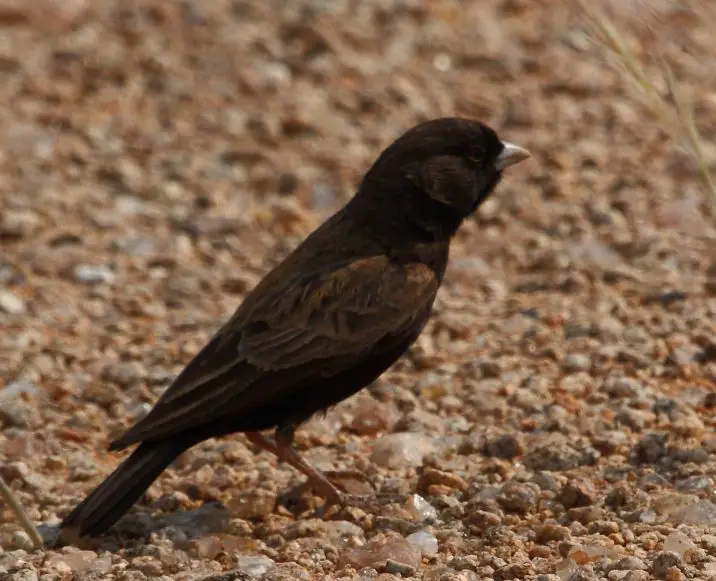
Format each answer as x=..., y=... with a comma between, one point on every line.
x=701, y=512
x=636, y=576
x=578, y=493
x=342, y=532
x=552, y=532
x=90, y=274
x=20, y=540
x=372, y=417
x=18, y=224
x=575, y=362
x=519, y=497
x=630, y=563
x=677, y=542
x=24, y=573
x=74, y=561
x=11, y=304
x=663, y=562
x=17, y=413
x=254, y=565
x=622, y=387
x=420, y=508
x=559, y=456
x=251, y=504
x=695, y=484
x=402, y=450
x=124, y=373
x=425, y=541
x=506, y=446
x=434, y=477
x=376, y=552
x=287, y=572
x=395, y=568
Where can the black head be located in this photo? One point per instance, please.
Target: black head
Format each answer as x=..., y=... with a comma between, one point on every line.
x=446, y=167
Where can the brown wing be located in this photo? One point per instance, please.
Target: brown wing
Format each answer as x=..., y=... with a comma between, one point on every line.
x=329, y=321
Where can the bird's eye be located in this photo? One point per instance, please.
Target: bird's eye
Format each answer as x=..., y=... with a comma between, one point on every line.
x=477, y=155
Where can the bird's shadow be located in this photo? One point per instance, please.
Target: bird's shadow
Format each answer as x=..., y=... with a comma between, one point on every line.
x=135, y=528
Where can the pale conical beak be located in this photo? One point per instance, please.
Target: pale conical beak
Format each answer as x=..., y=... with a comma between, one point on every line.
x=511, y=155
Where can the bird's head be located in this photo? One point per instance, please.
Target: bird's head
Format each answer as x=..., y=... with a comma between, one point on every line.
x=452, y=164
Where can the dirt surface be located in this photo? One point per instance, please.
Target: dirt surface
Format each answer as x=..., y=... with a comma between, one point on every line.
x=554, y=421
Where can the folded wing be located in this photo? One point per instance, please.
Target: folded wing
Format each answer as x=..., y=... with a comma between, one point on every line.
x=315, y=327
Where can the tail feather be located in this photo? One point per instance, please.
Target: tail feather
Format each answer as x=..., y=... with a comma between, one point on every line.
x=106, y=504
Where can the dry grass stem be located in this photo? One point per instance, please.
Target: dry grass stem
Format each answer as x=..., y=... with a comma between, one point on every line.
x=673, y=112
x=21, y=515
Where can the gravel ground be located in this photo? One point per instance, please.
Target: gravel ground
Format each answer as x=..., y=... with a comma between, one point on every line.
x=554, y=422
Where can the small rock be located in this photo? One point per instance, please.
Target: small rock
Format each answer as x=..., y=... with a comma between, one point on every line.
x=473, y=443
x=677, y=542
x=629, y=564
x=519, y=570
x=695, y=484
x=650, y=448
x=148, y=565
x=254, y=565
x=24, y=573
x=251, y=504
x=664, y=562
x=578, y=493
x=124, y=373
x=432, y=476
x=701, y=512
x=11, y=303
x=372, y=417
x=287, y=572
x=172, y=501
x=16, y=388
x=610, y=441
x=211, y=546
x=379, y=550
x=342, y=532
x=425, y=541
x=395, y=568
x=420, y=508
x=636, y=420
x=636, y=576
x=520, y=497
x=552, y=532
x=91, y=274
x=506, y=446
x=559, y=456
x=402, y=450
x=575, y=362
x=603, y=527
x=566, y=568
x=207, y=519
x=17, y=413
x=584, y=574
x=622, y=387
x=75, y=561
x=18, y=224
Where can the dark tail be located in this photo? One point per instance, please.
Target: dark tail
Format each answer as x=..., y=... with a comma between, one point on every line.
x=106, y=504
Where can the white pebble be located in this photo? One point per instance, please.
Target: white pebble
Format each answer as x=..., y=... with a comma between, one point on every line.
x=425, y=541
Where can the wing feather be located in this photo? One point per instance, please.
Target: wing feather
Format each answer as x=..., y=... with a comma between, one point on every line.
x=320, y=325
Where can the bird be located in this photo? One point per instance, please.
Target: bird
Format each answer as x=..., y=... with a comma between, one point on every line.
x=326, y=322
